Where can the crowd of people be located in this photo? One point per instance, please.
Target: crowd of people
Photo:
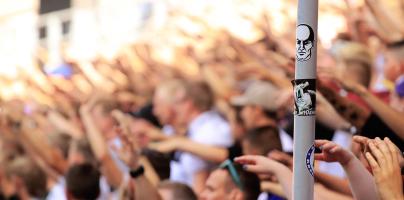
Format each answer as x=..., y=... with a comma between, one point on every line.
x=216, y=125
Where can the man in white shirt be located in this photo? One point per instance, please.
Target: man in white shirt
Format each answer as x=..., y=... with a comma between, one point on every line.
x=193, y=109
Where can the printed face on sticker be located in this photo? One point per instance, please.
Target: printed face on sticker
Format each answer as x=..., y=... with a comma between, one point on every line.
x=304, y=42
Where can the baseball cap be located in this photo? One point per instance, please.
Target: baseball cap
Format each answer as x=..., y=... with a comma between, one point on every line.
x=259, y=93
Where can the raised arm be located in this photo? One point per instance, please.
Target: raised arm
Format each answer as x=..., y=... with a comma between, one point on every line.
x=384, y=158
x=361, y=181
x=204, y=151
x=337, y=184
x=64, y=125
x=393, y=118
x=344, y=107
x=385, y=19
x=35, y=141
x=144, y=185
x=99, y=146
x=264, y=165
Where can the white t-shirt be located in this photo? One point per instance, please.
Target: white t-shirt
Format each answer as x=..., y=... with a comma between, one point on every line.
x=286, y=141
x=208, y=128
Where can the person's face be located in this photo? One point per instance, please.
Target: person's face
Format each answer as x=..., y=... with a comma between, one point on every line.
x=236, y=125
x=304, y=49
x=162, y=109
x=105, y=122
x=215, y=188
x=166, y=194
x=249, y=116
x=182, y=110
x=247, y=148
x=237, y=130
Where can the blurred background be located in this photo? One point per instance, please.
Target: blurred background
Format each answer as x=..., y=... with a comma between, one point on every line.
x=84, y=29
x=89, y=80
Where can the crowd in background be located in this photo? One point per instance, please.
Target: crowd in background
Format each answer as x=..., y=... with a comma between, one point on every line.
x=216, y=125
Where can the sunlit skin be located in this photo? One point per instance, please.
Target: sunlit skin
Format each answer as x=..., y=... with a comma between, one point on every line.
x=163, y=109
x=216, y=187
x=105, y=122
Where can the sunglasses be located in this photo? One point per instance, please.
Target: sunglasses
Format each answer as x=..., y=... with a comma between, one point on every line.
x=228, y=164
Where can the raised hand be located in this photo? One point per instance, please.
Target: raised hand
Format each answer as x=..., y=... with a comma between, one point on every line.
x=129, y=152
x=332, y=152
x=259, y=164
x=351, y=86
x=281, y=157
x=167, y=146
x=385, y=163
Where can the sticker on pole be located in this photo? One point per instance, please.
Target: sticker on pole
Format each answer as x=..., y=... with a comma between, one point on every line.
x=305, y=97
x=304, y=42
x=310, y=160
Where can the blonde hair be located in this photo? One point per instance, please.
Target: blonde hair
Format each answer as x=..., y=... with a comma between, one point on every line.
x=358, y=56
x=168, y=89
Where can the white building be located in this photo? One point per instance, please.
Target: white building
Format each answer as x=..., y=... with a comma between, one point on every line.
x=87, y=26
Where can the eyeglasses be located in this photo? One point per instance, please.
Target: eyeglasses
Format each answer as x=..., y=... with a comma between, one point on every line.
x=228, y=164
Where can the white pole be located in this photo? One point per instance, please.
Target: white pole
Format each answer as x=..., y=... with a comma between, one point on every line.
x=305, y=99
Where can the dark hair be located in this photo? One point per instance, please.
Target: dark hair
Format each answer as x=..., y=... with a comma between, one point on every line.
x=83, y=181
x=265, y=139
x=179, y=191
x=250, y=182
x=146, y=113
x=271, y=114
x=200, y=94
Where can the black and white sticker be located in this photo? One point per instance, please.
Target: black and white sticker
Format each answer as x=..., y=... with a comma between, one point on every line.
x=304, y=42
x=305, y=97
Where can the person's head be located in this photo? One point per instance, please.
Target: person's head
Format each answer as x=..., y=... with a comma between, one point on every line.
x=82, y=182
x=193, y=99
x=259, y=104
x=27, y=175
x=101, y=114
x=354, y=63
x=236, y=123
x=164, y=100
x=80, y=152
x=231, y=182
x=61, y=141
x=175, y=191
x=304, y=42
x=261, y=141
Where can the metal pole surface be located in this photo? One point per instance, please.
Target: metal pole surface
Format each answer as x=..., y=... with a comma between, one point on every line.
x=305, y=99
